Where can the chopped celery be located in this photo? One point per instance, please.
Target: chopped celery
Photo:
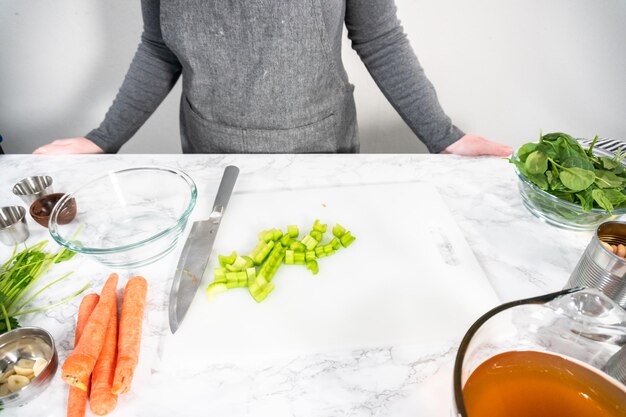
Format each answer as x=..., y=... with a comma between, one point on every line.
x=298, y=258
x=263, y=293
x=260, y=252
x=241, y=263
x=273, y=261
x=319, y=226
x=227, y=260
x=313, y=267
x=251, y=274
x=347, y=239
x=317, y=235
x=286, y=240
x=297, y=246
x=289, y=260
x=220, y=275
x=293, y=231
x=257, y=270
x=309, y=242
x=338, y=230
x=215, y=288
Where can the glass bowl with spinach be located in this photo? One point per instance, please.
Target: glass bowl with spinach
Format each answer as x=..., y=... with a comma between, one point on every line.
x=570, y=186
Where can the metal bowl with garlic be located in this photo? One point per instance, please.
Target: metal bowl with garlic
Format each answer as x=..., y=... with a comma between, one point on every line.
x=28, y=361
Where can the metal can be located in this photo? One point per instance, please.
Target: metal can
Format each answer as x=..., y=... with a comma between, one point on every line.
x=599, y=267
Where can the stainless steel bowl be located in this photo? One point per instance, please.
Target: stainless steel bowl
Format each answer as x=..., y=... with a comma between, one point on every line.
x=13, y=227
x=27, y=343
x=31, y=188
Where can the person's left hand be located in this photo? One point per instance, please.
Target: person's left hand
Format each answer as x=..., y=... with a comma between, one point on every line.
x=473, y=145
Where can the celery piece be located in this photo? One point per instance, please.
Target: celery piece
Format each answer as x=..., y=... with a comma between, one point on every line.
x=215, y=288
x=266, y=236
x=297, y=246
x=310, y=256
x=293, y=231
x=220, y=275
x=328, y=249
x=298, y=258
x=278, y=234
x=286, y=240
x=335, y=243
x=319, y=252
x=317, y=235
x=313, y=267
x=338, y=230
x=249, y=262
x=263, y=293
x=309, y=242
x=251, y=275
x=319, y=226
x=236, y=279
x=260, y=252
x=289, y=257
x=347, y=239
x=239, y=264
x=273, y=261
x=227, y=260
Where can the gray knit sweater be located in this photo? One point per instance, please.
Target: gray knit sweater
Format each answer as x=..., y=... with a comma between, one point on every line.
x=373, y=28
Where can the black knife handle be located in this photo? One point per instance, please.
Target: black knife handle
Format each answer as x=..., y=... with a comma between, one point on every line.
x=226, y=188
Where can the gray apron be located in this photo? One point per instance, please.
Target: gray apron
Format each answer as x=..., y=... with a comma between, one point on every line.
x=258, y=77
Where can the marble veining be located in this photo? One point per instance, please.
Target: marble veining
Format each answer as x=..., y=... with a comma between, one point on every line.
x=520, y=255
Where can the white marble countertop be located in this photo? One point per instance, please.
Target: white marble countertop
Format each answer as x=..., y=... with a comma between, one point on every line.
x=520, y=255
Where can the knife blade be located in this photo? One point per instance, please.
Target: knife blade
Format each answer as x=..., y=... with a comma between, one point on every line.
x=194, y=258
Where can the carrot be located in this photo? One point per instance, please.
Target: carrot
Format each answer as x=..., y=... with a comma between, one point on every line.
x=129, y=340
x=101, y=400
x=80, y=363
x=77, y=399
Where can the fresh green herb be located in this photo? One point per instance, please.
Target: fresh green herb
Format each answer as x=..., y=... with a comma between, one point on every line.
x=274, y=248
x=560, y=166
x=19, y=274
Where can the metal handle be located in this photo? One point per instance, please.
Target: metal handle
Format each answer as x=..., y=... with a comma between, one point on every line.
x=226, y=188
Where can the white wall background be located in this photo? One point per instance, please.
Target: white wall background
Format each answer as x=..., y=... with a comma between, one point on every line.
x=503, y=69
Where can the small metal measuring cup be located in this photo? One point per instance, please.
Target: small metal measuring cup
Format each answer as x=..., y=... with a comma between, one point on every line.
x=13, y=228
x=599, y=267
x=31, y=188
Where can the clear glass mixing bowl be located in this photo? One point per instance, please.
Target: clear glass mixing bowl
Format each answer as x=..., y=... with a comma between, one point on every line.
x=127, y=218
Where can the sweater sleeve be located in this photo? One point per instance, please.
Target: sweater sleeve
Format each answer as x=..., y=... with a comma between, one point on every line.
x=382, y=45
x=153, y=72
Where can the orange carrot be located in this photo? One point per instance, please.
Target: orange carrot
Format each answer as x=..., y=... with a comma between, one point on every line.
x=77, y=399
x=80, y=363
x=129, y=340
x=101, y=400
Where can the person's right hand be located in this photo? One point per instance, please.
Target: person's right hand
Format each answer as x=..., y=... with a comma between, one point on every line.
x=69, y=146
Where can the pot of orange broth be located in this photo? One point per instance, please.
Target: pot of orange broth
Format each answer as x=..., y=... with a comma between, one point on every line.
x=544, y=357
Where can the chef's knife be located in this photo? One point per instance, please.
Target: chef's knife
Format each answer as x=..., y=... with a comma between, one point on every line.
x=195, y=255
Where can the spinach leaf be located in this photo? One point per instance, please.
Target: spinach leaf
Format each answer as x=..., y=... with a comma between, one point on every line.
x=607, y=179
x=539, y=180
x=600, y=197
x=536, y=163
x=614, y=196
x=609, y=163
x=586, y=199
x=525, y=150
x=577, y=179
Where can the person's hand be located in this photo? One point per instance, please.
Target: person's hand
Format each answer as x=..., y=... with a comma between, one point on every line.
x=473, y=145
x=69, y=146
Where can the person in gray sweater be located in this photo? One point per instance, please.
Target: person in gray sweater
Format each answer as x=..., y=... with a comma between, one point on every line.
x=266, y=76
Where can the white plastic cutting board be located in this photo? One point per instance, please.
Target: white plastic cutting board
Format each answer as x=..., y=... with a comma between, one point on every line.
x=409, y=278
